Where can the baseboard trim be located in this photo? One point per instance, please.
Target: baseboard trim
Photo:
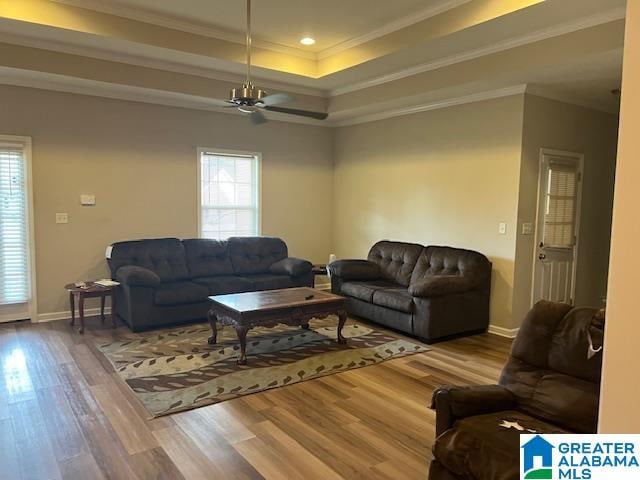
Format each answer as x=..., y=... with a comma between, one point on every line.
x=66, y=315
x=503, y=332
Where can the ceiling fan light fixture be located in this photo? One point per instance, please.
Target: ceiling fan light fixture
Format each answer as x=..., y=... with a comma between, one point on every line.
x=307, y=40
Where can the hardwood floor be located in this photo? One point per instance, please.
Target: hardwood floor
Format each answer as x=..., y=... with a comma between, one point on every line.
x=64, y=414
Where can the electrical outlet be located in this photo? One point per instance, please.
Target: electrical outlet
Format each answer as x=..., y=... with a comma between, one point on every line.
x=62, y=218
x=502, y=228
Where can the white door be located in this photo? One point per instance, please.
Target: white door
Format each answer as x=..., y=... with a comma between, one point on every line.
x=557, y=226
x=16, y=231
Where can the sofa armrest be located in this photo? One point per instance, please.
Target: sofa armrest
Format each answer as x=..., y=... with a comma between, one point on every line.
x=354, y=269
x=291, y=266
x=439, y=285
x=140, y=276
x=453, y=403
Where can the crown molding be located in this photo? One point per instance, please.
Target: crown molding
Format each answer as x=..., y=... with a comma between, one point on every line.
x=391, y=27
x=562, y=29
x=150, y=62
x=434, y=105
x=80, y=86
x=62, y=83
x=166, y=21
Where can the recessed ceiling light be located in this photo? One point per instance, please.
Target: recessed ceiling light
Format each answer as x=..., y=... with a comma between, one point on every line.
x=307, y=41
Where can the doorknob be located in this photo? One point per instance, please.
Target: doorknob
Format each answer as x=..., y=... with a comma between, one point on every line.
x=542, y=256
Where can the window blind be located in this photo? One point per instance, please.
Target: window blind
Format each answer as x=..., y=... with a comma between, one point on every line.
x=14, y=246
x=559, y=218
x=229, y=195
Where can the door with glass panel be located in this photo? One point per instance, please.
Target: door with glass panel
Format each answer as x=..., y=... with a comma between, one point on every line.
x=557, y=230
x=16, y=292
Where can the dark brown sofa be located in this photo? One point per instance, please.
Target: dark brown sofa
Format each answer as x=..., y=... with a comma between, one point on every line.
x=549, y=385
x=167, y=281
x=430, y=292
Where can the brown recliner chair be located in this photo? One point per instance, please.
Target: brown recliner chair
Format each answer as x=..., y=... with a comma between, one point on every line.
x=550, y=384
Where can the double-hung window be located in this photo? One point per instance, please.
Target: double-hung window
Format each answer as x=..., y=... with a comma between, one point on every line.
x=229, y=194
x=15, y=231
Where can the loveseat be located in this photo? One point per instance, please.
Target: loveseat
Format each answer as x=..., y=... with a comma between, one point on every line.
x=167, y=281
x=432, y=292
x=550, y=384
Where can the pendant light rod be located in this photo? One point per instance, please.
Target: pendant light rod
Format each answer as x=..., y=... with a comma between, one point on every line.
x=248, y=40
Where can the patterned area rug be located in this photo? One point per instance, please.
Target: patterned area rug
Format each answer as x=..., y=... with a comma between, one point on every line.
x=174, y=370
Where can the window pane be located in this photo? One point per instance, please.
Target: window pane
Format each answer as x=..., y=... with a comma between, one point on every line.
x=229, y=204
x=561, y=195
x=14, y=271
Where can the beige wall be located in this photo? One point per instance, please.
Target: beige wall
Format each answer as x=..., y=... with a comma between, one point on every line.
x=447, y=176
x=620, y=385
x=562, y=126
x=140, y=162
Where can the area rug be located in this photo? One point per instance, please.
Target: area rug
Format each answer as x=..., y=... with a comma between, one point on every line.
x=174, y=370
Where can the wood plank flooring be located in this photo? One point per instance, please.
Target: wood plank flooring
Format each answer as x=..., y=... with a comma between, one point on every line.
x=65, y=415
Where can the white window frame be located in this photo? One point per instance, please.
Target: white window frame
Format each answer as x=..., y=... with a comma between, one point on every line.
x=10, y=313
x=223, y=151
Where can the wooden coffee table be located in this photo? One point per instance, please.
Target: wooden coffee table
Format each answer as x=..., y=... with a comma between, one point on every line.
x=291, y=306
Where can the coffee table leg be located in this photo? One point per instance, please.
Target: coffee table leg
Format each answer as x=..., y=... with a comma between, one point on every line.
x=242, y=337
x=342, y=318
x=214, y=328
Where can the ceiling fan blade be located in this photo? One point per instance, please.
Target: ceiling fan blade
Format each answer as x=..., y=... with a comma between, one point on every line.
x=302, y=113
x=257, y=117
x=276, y=99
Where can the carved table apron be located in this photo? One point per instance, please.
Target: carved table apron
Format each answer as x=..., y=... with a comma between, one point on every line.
x=294, y=313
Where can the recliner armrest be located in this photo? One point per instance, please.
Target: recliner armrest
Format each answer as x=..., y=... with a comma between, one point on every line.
x=140, y=276
x=354, y=269
x=453, y=403
x=291, y=266
x=439, y=285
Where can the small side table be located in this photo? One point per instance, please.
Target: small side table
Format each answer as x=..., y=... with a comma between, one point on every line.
x=90, y=290
x=319, y=269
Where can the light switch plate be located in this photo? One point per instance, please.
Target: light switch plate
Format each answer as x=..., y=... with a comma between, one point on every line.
x=87, y=199
x=62, y=218
x=527, y=228
x=502, y=228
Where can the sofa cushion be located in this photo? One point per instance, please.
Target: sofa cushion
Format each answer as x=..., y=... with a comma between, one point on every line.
x=255, y=254
x=479, y=447
x=206, y=257
x=267, y=281
x=395, y=298
x=164, y=256
x=395, y=259
x=224, y=284
x=173, y=293
x=448, y=261
x=364, y=290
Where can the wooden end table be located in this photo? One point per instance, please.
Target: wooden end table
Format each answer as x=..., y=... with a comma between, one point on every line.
x=90, y=290
x=291, y=306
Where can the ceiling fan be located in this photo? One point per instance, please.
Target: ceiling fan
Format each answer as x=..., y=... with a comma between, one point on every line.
x=252, y=100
